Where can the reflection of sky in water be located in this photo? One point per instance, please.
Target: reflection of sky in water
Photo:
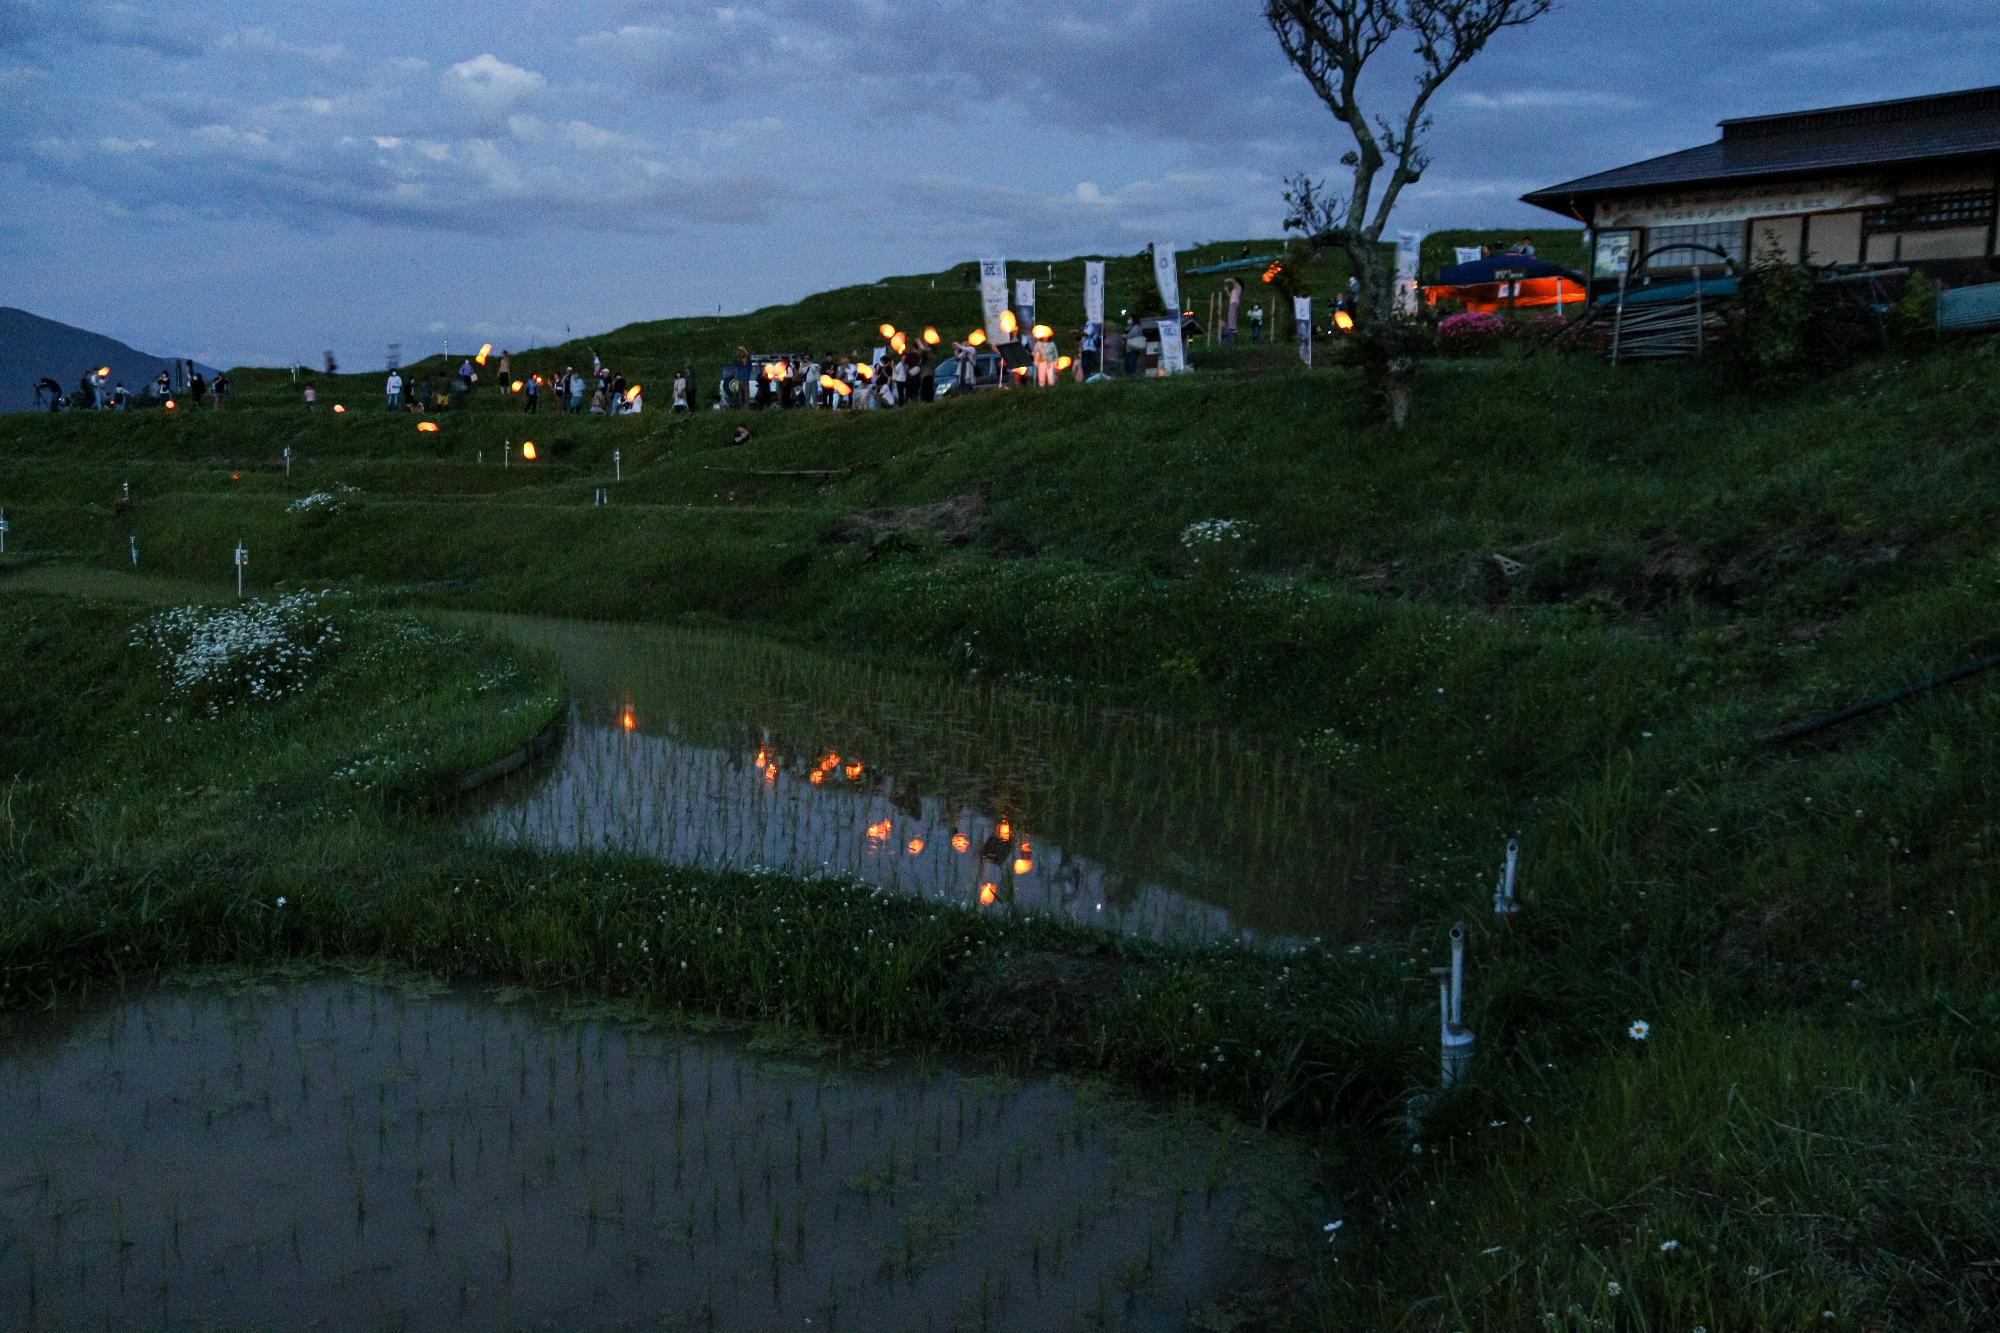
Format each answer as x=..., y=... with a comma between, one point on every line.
x=624, y=789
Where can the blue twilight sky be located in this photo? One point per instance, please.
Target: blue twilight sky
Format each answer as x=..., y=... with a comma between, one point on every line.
x=250, y=182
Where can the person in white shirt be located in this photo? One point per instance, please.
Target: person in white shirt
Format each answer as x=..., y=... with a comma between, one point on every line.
x=680, y=403
x=395, y=390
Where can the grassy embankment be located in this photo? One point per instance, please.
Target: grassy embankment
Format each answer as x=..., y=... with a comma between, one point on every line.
x=1812, y=1118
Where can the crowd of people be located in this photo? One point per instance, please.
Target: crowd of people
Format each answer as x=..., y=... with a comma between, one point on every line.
x=97, y=391
x=603, y=391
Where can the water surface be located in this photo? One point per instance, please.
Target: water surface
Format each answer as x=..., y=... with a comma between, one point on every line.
x=342, y=1154
x=728, y=750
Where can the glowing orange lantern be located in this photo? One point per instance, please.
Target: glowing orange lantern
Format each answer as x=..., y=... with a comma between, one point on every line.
x=632, y=394
x=1271, y=273
x=528, y=451
x=816, y=777
x=853, y=771
x=171, y=404
x=518, y=385
x=427, y=427
x=1343, y=321
x=931, y=337
x=338, y=410
x=865, y=372
x=763, y=758
x=1020, y=372
x=915, y=847
x=104, y=372
x=830, y=761
x=236, y=476
x=834, y=386
x=1025, y=848
x=484, y=352
x=1064, y=363
x=629, y=720
x=880, y=830
x=899, y=344
x=987, y=893
x=771, y=773
x=976, y=338
x=1008, y=324
x=888, y=331
x=960, y=843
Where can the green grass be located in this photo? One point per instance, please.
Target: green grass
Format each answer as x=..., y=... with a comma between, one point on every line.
x=1702, y=563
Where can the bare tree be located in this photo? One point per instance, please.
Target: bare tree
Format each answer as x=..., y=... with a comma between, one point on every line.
x=1331, y=43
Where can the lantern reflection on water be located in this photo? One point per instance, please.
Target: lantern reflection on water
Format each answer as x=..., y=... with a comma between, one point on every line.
x=987, y=893
x=853, y=771
x=1004, y=831
x=915, y=847
x=880, y=830
x=960, y=843
x=770, y=773
x=1023, y=866
x=628, y=719
x=816, y=777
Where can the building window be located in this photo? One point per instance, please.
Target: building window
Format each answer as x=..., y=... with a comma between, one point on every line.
x=1934, y=212
x=1724, y=236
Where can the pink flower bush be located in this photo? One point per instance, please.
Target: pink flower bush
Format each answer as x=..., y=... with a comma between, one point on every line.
x=1471, y=334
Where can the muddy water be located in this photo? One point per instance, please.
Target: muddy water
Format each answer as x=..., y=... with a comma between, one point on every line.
x=734, y=751
x=342, y=1154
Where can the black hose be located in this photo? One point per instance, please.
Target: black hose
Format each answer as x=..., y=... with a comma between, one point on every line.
x=1867, y=706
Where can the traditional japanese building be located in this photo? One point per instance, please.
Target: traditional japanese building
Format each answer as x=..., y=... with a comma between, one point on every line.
x=1914, y=182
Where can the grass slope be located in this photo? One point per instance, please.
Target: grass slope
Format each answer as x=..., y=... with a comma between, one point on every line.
x=1807, y=929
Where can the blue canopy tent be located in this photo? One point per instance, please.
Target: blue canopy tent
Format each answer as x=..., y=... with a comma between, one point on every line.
x=1507, y=282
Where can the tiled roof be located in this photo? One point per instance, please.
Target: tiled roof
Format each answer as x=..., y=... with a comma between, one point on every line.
x=1952, y=125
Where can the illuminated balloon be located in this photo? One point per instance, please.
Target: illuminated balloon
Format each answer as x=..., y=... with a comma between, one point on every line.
x=484, y=352
x=518, y=386
x=1023, y=866
x=104, y=372
x=1043, y=331
x=1008, y=324
x=865, y=372
x=171, y=404
x=977, y=337
x=887, y=331
x=931, y=337
x=899, y=344
x=1004, y=831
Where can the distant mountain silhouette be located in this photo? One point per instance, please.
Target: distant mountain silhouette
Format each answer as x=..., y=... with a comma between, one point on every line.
x=31, y=347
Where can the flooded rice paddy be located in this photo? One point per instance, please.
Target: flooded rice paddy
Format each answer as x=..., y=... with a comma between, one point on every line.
x=347, y=1154
x=733, y=751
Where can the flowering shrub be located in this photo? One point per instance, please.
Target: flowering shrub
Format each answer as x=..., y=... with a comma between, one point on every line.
x=221, y=657
x=1471, y=334
x=322, y=502
x=1215, y=544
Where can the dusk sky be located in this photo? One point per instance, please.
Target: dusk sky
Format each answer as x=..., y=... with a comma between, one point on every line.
x=251, y=183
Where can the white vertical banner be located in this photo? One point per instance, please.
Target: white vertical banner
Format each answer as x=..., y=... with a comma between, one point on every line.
x=1166, y=271
x=1302, y=315
x=1467, y=254
x=1409, y=246
x=993, y=295
x=1173, y=353
x=1024, y=301
x=1093, y=292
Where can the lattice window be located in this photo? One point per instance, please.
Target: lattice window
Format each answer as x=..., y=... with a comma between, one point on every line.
x=1933, y=212
x=1724, y=236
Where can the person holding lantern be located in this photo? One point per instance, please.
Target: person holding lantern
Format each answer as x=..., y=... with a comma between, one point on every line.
x=1044, y=351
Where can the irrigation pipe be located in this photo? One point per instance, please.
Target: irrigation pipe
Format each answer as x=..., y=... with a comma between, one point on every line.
x=1880, y=701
